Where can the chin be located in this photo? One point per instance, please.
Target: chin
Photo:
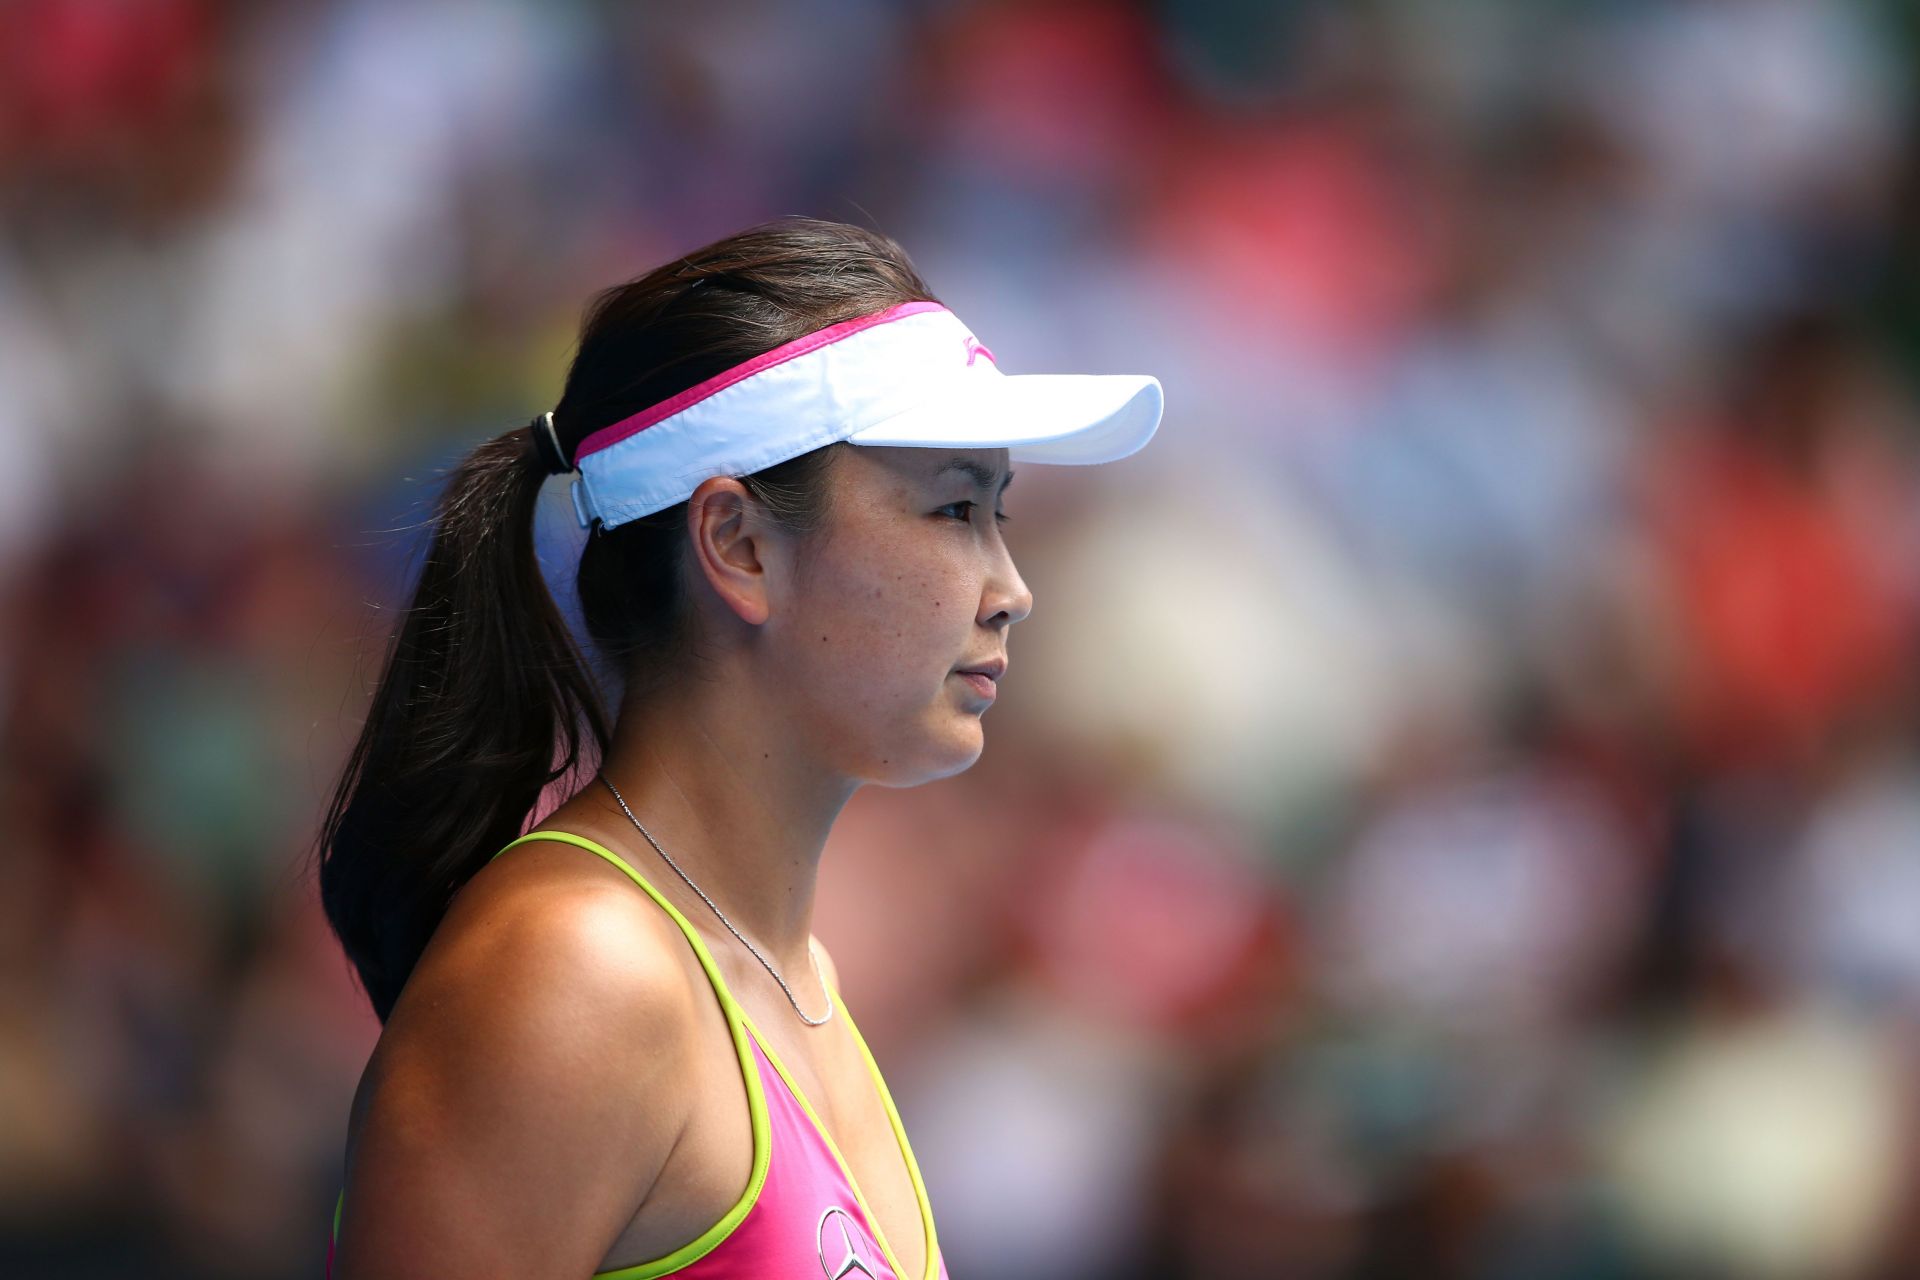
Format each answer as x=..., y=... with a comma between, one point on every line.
x=954, y=752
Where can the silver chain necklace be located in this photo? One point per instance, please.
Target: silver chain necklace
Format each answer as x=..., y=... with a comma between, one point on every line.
x=812, y=1022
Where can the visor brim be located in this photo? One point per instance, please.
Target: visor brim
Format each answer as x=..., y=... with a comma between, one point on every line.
x=1075, y=419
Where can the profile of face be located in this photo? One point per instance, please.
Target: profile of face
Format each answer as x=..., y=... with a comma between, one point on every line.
x=860, y=636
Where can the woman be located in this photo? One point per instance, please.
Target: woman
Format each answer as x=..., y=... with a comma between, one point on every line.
x=620, y=1051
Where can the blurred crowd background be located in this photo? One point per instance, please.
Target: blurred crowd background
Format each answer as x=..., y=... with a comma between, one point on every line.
x=1454, y=811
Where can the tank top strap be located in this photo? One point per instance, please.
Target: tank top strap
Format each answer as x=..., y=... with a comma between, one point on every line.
x=735, y=1013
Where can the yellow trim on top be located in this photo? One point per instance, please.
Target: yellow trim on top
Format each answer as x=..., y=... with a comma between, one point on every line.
x=712, y=1237
x=900, y=1136
x=900, y=1131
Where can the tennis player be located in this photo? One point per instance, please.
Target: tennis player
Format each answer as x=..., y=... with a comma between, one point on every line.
x=620, y=1051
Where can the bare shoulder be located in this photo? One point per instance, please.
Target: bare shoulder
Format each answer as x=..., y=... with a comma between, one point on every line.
x=530, y=1083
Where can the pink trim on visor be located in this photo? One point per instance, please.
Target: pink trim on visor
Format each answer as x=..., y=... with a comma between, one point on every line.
x=614, y=434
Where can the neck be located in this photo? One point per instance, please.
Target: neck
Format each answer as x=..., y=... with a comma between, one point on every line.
x=741, y=806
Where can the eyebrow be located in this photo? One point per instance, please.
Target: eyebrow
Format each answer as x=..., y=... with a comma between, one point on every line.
x=982, y=476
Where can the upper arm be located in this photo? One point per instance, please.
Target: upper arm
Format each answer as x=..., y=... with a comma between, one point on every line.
x=530, y=1085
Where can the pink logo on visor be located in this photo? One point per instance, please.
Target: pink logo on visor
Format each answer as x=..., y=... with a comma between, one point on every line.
x=974, y=348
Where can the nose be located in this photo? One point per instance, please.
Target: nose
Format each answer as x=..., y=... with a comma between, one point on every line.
x=1006, y=599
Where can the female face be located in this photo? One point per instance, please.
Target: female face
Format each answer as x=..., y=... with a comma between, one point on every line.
x=909, y=582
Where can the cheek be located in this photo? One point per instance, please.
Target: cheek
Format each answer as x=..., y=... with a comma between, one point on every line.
x=885, y=633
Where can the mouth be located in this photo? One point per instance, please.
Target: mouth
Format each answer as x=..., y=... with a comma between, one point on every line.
x=984, y=676
x=982, y=684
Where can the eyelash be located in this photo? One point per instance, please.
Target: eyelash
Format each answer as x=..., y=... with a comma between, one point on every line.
x=1002, y=516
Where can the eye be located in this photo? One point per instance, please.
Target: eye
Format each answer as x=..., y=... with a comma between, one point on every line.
x=1002, y=516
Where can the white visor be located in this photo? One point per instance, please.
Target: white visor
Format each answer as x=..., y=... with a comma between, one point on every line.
x=912, y=375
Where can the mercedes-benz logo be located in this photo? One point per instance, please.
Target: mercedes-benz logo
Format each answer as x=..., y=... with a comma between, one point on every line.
x=840, y=1246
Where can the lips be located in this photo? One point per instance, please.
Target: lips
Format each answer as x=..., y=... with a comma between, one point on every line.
x=991, y=670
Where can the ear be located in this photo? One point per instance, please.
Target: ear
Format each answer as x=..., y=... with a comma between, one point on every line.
x=732, y=546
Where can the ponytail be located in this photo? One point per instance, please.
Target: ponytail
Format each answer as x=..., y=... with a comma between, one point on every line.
x=484, y=702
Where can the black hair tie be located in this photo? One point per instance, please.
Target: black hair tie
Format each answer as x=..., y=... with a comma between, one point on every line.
x=549, y=442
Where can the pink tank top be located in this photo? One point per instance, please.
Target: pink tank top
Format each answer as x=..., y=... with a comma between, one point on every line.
x=802, y=1216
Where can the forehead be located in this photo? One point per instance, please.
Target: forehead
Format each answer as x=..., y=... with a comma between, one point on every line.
x=934, y=466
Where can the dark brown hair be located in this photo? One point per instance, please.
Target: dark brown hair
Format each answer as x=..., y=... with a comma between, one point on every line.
x=485, y=699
